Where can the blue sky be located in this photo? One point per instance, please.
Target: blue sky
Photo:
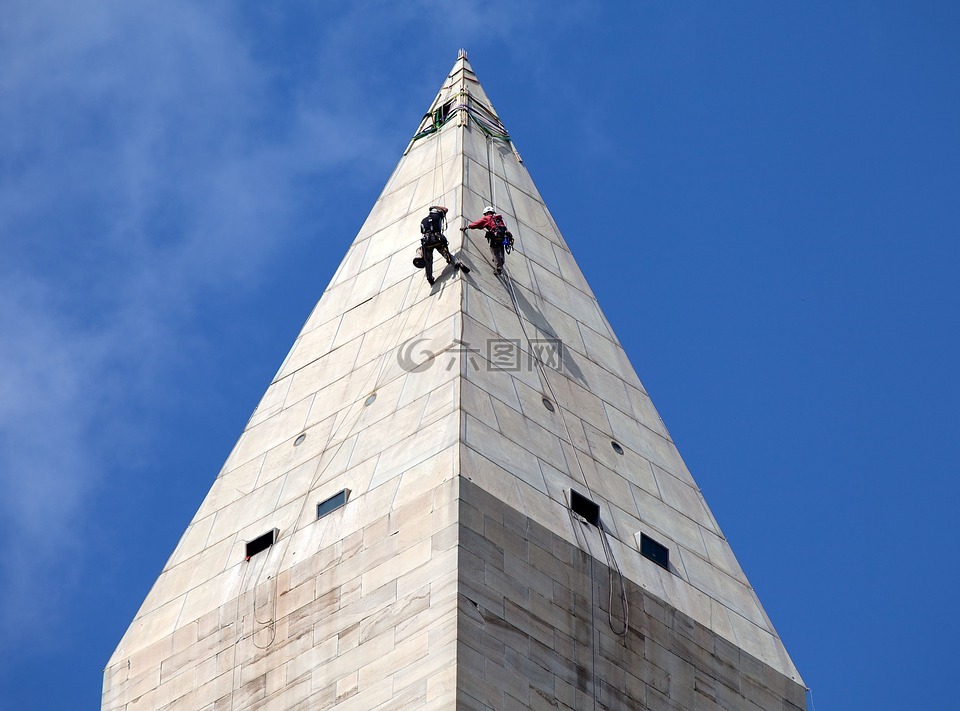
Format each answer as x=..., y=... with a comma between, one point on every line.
x=764, y=197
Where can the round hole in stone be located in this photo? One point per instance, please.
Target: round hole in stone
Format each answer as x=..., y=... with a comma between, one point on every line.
x=616, y=447
x=549, y=405
x=299, y=440
x=369, y=401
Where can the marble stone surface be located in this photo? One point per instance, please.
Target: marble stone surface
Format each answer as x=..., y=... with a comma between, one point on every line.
x=455, y=575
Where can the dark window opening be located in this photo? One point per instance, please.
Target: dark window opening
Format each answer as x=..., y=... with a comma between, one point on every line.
x=261, y=543
x=443, y=113
x=333, y=503
x=299, y=440
x=656, y=552
x=582, y=506
x=549, y=405
x=616, y=447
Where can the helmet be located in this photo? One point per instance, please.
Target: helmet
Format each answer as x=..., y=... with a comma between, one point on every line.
x=437, y=208
x=418, y=261
x=488, y=210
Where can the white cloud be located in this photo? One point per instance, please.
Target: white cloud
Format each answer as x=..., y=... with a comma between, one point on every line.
x=152, y=154
x=145, y=160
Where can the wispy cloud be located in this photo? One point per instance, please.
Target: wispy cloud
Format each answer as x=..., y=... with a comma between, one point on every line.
x=152, y=155
x=146, y=158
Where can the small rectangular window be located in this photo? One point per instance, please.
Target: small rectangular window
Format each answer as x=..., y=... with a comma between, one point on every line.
x=261, y=543
x=582, y=506
x=333, y=503
x=656, y=552
x=442, y=113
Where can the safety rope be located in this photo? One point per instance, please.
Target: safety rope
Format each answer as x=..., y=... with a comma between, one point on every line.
x=436, y=121
x=540, y=365
x=594, y=636
x=397, y=330
x=482, y=115
x=624, y=605
x=488, y=121
x=438, y=169
x=376, y=385
x=271, y=623
x=493, y=187
x=252, y=635
x=545, y=381
x=543, y=376
x=437, y=173
x=240, y=637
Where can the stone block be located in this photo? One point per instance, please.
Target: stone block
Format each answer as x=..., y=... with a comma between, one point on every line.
x=436, y=570
x=414, y=556
x=455, y=576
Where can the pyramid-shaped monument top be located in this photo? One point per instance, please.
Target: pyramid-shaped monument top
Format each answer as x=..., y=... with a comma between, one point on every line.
x=423, y=445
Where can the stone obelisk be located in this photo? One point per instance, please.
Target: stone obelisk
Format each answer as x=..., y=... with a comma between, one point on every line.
x=454, y=496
